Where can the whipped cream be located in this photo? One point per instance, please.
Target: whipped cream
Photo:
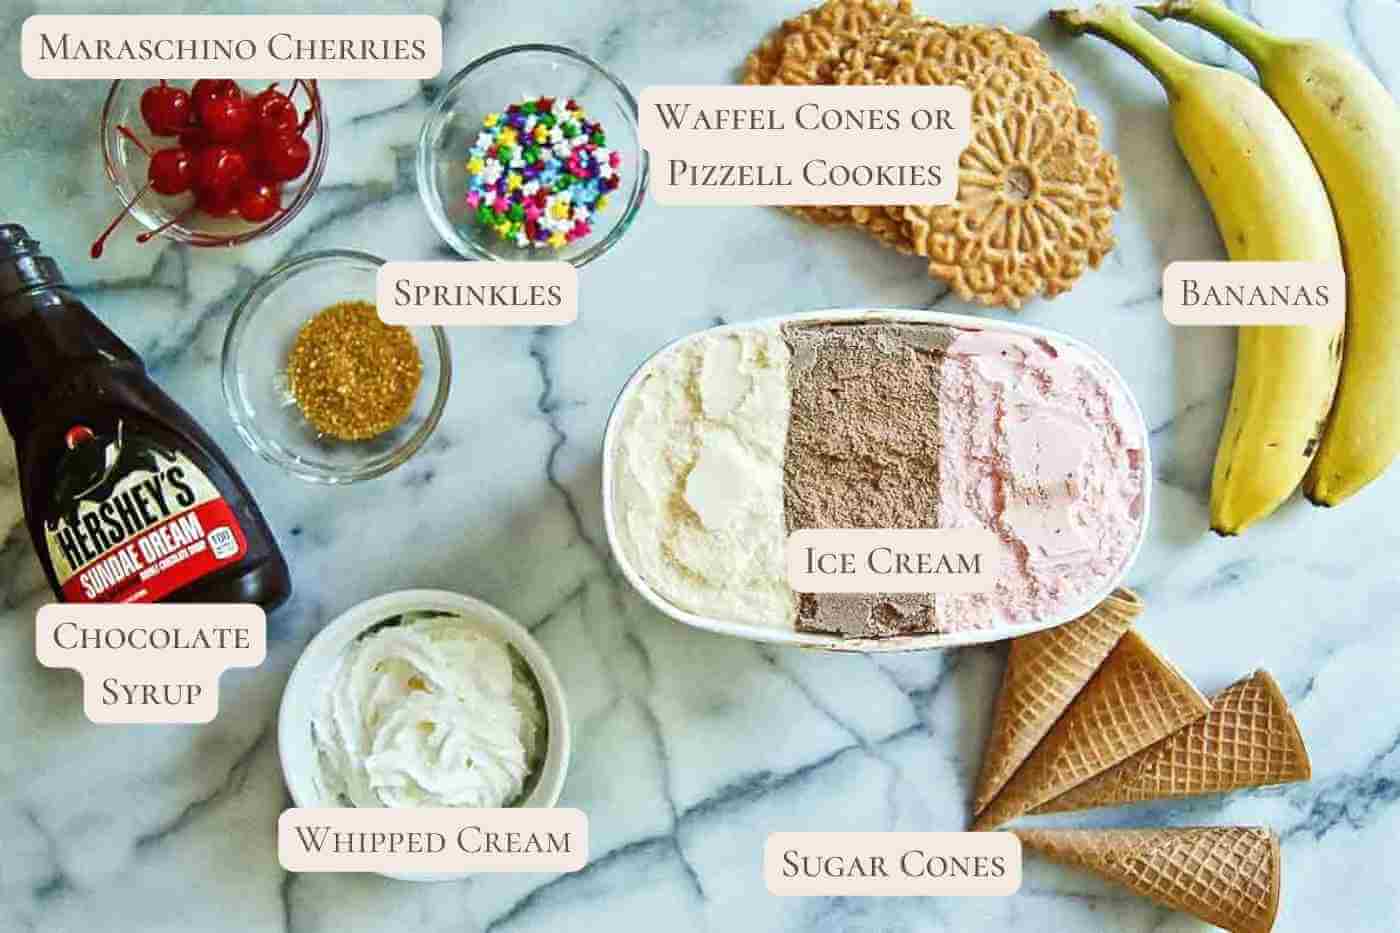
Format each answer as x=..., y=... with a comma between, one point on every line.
x=430, y=712
x=699, y=483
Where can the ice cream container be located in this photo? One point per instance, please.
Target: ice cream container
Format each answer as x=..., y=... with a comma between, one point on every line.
x=1127, y=415
x=314, y=671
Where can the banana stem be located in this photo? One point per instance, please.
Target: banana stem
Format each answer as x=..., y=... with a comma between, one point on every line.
x=1250, y=39
x=1117, y=26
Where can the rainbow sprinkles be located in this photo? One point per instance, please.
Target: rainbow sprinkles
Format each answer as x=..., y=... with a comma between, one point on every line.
x=539, y=172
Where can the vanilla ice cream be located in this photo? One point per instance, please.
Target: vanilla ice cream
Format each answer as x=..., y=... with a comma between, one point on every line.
x=429, y=712
x=699, y=477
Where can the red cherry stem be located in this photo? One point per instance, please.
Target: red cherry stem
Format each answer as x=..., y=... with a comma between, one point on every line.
x=315, y=100
x=134, y=140
x=148, y=235
x=97, y=245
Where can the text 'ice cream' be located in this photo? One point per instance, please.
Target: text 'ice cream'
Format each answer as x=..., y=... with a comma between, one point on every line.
x=429, y=712
x=735, y=438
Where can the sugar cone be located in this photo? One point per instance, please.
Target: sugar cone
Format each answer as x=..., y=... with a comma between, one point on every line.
x=1225, y=875
x=1044, y=672
x=1248, y=739
x=1135, y=699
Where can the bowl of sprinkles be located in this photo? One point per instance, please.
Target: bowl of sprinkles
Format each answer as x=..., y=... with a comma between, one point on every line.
x=532, y=153
x=317, y=384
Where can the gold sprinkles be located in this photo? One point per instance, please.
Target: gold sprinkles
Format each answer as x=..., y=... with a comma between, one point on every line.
x=353, y=376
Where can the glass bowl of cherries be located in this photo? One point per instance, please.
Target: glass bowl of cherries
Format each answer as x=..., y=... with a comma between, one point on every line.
x=215, y=163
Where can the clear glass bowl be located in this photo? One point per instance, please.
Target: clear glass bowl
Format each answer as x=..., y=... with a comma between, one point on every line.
x=489, y=84
x=125, y=165
x=259, y=340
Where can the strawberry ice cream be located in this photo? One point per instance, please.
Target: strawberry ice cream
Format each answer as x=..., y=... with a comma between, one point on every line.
x=1041, y=445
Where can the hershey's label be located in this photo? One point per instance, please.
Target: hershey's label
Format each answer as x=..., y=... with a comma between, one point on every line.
x=131, y=521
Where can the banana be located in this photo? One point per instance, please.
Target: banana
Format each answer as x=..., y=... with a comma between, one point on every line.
x=1269, y=205
x=1352, y=128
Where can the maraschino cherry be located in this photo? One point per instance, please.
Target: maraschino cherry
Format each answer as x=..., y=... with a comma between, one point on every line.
x=226, y=119
x=258, y=201
x=171, y=170
x=284, y=155
x=219, y=168
x=274, y=111
x=207, y=89
x=166, y=110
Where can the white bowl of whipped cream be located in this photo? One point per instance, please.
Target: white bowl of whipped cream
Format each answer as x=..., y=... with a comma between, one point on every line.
x=424, y=698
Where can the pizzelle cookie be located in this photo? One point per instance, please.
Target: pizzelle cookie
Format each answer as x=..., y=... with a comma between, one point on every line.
x=807, y=49
x=1036, y=192
x=1035, y=206
x=996, y=65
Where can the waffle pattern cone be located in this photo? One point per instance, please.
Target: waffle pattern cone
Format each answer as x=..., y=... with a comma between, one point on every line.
x=1225, y=875
x=1137, y=698
x=1248, y=739
x=1044, y=672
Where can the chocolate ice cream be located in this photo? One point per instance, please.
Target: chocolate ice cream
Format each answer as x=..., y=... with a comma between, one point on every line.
x=862, y=452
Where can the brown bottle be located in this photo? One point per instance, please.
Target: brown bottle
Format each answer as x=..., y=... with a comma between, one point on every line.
x=126, y=498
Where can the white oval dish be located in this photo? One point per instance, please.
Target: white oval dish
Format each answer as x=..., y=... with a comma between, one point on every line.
x=923, y=642
x=311, y=675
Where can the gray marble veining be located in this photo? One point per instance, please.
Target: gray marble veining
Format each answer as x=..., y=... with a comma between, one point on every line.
x=690, y=748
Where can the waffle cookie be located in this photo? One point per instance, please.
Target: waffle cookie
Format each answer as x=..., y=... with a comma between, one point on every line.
x=1036, y=193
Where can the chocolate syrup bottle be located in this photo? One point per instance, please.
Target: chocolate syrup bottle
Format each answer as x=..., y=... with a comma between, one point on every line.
x=126, y=498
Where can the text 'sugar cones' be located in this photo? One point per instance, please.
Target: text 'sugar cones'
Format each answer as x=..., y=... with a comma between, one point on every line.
x=1225, y=875
x=1044, y=672
x=1135, y=699
x=1248, y=739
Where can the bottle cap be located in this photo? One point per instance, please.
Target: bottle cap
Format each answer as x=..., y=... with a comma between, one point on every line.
x=21, y=265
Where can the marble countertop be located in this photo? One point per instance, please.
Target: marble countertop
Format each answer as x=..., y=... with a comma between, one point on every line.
x=689, y=748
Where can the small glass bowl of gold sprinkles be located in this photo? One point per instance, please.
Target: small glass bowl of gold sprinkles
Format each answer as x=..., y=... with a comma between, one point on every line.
x=318, y=384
